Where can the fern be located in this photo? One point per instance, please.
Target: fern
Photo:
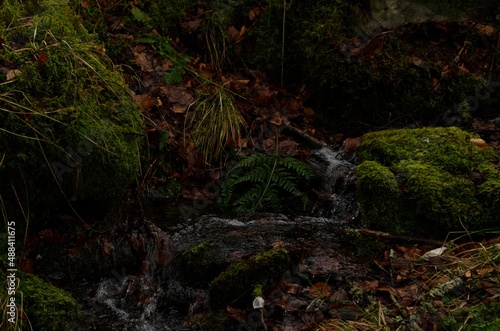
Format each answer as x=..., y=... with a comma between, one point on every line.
x=262, y=181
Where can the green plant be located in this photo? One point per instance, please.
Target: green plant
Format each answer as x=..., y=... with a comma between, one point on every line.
x=163, y=47
x=261, y=181
x=215, y=123
x=68, y=122
x=217, y=40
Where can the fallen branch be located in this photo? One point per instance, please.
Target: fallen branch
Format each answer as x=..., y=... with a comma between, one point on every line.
x=304, y=134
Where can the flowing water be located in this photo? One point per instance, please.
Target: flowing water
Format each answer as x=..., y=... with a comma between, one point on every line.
x=156, y=295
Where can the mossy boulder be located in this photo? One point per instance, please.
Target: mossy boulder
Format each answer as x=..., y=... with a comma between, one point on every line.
x=69, y=127
x=205, y=261
x=427, y=181
x=235, y=285
x=47, y=307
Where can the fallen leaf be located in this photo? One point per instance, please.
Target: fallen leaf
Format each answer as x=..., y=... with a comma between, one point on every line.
x=42, y=59
x=435, y=84
x=484, y=271
x=434, y=253
x=479, y=142
x=145, y=101
x=141, y=59
x=276, y=120
x=252, y=15
x=179, y=109
x=192, y=25
x=486, y=30
x=12, y=74
x=233, y=33
x=308, y=111
x=369, y=285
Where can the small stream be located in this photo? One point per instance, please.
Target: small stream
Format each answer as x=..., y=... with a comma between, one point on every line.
x=156, y=295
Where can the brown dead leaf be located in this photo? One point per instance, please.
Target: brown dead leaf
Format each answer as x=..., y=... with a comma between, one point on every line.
x=233, y=33
x=492, y=290
x=412, y=254
x=418, y=62
x=179, y=109
x=479, y=142
x=308, y=111
x=179, y=97
x=484, y=271
x=435, y=84
x=141, y=59
x=42, y=59
x=254, y=13
x=192, y=25
x=486, y=30
x=145, y=101
x=369, y=285
x=276, y=120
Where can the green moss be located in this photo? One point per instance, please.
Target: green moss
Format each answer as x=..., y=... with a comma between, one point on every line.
x=47, y=307
x=449, y=149
x=213, y=321
x=68, y=120
x=235, y=285
x=439, y=201
x=418, y=181
x=380, y=196
x=482, y=317
x=206, y=260
x=489, y=195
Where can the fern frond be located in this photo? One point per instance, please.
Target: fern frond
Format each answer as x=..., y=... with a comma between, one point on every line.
x=263, y=181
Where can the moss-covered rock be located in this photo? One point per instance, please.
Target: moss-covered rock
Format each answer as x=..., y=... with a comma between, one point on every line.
x=205, y=261
x=427, y=181
x=47, y=307
x=69, y=123
x=235, y=285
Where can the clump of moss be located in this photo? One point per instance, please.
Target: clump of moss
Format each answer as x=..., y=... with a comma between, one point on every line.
x=213, y=321
x=449, y=149
x=69, y=123
x=206, y=260
x=236, y=285
x=419, y=181
x=379, y=195
x=47, y=307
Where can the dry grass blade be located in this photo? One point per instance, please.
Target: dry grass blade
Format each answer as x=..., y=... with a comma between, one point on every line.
x=216, y=123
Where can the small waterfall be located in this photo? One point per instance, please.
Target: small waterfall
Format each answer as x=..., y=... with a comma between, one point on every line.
x=138, y=301
x=339, y=184
x=154, y=295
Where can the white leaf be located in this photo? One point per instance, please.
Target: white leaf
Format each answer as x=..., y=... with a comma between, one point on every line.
x=434, y=253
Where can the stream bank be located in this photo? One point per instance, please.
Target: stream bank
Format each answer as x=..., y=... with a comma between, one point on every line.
x=126, y=271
